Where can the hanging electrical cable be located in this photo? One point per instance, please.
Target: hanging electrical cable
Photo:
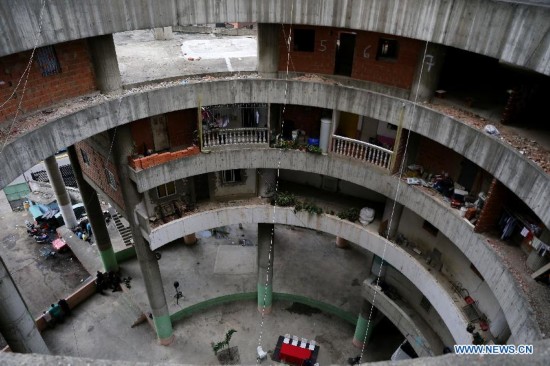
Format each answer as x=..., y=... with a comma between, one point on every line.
x=401, y=170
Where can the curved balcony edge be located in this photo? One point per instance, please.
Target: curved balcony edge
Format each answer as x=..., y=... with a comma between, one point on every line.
x=474, y=246
x=501, y=30
x=396, y=256
x=528, y=181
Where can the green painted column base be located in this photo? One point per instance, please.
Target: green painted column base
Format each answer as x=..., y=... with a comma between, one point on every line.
x=362, y=334
x=108, y=258
x=163, y=325
x=265, y=298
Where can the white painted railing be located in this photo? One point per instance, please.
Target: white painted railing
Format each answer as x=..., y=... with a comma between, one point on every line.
x=361, y=150
x=234, y=136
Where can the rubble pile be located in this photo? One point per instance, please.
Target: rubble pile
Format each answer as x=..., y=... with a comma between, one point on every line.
x=527, y=147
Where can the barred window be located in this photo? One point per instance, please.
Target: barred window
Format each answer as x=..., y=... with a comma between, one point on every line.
x=47, y=60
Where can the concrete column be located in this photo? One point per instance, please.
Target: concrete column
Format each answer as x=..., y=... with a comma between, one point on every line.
x=266, y=250
x=16, y=323
x=395, y=219
x=268, y=49
x=431, y=65
x=61, y=195
x=163, y=34
x=363, y=328
x=325, y=134
x=95, y=215
x=148, y=263
x=107, y=74
x=267, y=178
x=190, y=239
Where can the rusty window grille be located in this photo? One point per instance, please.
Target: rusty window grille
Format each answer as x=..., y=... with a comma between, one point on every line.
x=47, y=60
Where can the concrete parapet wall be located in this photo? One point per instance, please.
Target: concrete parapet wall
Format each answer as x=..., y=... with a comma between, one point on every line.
x=396, y=256
x=511, y=168
x=419, y=334
x=518, y=312
x=540, y=357
x=515, y=33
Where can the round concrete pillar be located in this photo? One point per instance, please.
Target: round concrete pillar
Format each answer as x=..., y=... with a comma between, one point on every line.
x=324, y=136
x=60, y=191
x=16, y=323
x=364, y=327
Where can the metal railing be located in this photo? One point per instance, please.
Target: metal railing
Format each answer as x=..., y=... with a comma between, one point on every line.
x=235, y=136
x=361, y=150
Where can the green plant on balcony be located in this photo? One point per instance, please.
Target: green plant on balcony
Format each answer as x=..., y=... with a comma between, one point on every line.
x=314, y=149
x=309, y=207
x=285, y=199
x=350, y=214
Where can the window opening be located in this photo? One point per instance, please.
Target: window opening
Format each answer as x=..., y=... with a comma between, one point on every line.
x=110, y=178
x=47, y=60
x=231, y=176
x=85, y=157
x=387, y=49
x=166, y=190
x=304, y=40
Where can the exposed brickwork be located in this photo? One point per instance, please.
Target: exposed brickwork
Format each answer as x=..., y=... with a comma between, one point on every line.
x=436, y=158
x=179, y=125
x=76, y=78
x=366, y=66
x=488, y=219
x=95, y=170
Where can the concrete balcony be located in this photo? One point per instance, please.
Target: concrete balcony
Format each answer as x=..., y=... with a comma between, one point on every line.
x=419, y=333
x=235, y=137
x=502, y=276
x=361, y=150
x=434, y=286
x=65, y=127
x=502, y=30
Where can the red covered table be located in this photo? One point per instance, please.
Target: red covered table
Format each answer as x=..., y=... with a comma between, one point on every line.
x=294, y=354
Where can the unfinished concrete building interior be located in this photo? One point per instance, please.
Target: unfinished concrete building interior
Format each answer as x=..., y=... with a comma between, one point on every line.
x=370, y=184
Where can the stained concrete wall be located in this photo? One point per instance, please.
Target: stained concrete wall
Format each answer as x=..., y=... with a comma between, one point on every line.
x=525, y=179
x=510, y=296
x=428, y=283
x=516, y=33
x=457, y=267
x=514, y=170
x=540, y=357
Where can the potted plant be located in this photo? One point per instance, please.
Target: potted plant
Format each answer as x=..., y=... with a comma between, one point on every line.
x=229, y=355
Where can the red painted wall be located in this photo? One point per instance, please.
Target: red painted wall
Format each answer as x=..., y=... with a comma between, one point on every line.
x=179, y=124
x=76, y=78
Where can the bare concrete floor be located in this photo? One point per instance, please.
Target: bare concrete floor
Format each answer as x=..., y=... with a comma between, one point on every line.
x=141, y=58
x=306, y=263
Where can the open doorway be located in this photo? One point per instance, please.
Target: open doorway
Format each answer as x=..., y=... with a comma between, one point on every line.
x=344, y=54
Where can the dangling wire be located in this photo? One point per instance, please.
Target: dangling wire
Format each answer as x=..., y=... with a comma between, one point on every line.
x=25, y=75
x=270, y=253
x=401, y=170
